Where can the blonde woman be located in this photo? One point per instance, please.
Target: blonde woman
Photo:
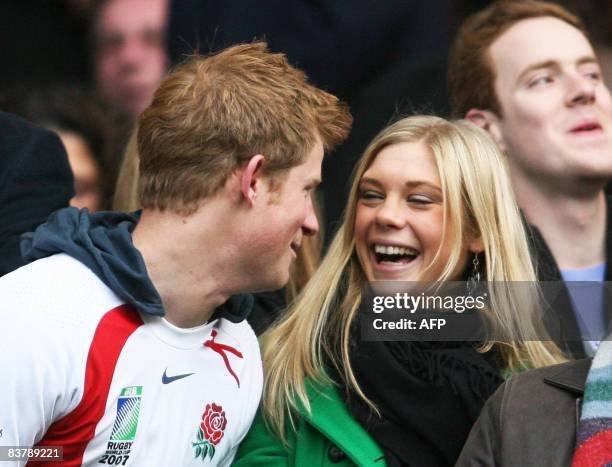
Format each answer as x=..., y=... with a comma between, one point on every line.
x=438, y=192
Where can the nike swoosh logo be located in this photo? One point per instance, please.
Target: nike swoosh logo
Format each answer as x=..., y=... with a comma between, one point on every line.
x=169, y=379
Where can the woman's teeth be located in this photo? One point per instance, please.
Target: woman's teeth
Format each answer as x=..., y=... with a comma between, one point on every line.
x=394, y=254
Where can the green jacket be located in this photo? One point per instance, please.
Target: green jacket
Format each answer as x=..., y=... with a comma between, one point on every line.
x=330, y=432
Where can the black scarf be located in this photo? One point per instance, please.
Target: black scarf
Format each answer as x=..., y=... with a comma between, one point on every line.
x=429, y=394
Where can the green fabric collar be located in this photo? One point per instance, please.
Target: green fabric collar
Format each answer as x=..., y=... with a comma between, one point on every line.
x=331, y=417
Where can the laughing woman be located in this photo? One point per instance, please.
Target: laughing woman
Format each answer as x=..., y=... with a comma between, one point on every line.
x=439, y=193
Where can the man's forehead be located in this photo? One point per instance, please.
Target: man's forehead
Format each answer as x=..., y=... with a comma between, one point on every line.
x=537, y=40
x=126, y=15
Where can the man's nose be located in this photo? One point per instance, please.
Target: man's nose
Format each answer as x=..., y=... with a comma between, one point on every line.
x=311, y=222
x=132, y=51
x=581, y=89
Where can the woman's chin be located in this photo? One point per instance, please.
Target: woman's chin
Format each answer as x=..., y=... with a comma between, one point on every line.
x=387, y=271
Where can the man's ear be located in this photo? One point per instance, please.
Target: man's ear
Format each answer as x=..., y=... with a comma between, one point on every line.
x=488, y=121
x=250, y=179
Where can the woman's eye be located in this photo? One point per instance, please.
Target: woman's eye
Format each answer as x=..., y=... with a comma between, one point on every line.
x=370, y=195
x=419, y=199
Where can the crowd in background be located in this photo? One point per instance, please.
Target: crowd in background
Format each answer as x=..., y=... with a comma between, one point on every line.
x=87, y=70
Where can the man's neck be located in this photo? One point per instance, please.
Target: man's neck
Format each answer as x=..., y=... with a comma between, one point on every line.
x=573, y=225
x=187, y=281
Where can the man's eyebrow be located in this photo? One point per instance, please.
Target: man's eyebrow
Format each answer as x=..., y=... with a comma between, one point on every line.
x=587, y=60
x=538, y=66
x=555, y=64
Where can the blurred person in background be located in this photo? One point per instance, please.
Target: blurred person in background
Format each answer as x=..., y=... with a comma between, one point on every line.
x=526, y=72
x=129, y=56
x=91, y=130
x=35, y=180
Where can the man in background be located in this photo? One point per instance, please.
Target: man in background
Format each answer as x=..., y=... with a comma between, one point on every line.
x=526, y=72
x=130, y=58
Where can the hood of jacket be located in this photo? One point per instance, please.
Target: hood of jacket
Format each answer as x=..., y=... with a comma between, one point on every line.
x=102, y=241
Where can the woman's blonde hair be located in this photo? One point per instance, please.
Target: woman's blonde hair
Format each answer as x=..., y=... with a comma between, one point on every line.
x=477, y=201
x=126, y=190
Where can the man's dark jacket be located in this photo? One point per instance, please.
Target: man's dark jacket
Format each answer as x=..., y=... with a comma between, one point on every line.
x=531, y=420
x=548, y=271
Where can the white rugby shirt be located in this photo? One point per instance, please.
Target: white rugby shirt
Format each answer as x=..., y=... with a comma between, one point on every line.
x=82, y=370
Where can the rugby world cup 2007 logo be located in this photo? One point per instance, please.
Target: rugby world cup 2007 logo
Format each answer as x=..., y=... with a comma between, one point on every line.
x=122, y=437
x=128, y=411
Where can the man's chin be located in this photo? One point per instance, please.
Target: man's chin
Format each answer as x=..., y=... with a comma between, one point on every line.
x=274, y=283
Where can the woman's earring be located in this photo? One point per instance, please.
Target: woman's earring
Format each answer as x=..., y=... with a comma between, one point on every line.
x=474, y=277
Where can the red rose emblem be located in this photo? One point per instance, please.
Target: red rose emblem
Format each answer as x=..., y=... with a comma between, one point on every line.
x=213, y=423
